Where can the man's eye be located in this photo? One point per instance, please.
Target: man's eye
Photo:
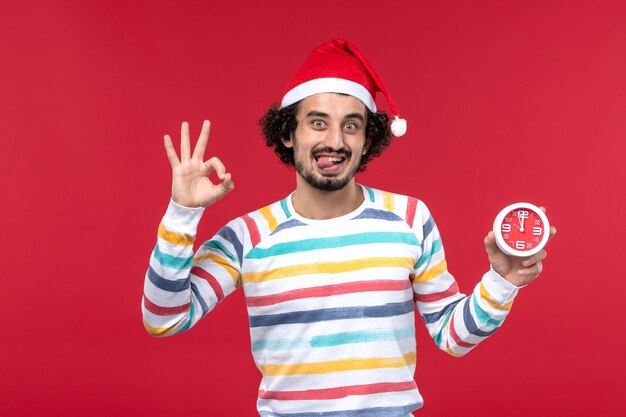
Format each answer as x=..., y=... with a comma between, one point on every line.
x=350, y=126
x=318, y=123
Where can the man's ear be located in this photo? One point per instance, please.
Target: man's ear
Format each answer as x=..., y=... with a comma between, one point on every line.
x=288, y=142
x=366, y=147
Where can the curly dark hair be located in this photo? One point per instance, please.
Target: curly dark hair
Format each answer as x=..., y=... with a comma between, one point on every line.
x=278, y=124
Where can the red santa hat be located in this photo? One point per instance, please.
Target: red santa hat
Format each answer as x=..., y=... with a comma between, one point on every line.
x=338, y=66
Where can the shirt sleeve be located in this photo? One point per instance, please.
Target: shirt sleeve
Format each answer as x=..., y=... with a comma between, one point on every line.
x=181, y=287
x=456, y=322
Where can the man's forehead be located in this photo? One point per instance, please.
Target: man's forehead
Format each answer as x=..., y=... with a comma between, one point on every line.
x=333, y=104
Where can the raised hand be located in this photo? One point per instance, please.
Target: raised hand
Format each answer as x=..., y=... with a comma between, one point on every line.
x=519, y=271
x=191, y=186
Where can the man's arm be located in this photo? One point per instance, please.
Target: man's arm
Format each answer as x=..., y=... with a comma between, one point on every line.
x=181, y=287
x=457, y=322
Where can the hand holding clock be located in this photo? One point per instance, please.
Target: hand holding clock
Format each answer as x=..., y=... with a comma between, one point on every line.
x=517, y=255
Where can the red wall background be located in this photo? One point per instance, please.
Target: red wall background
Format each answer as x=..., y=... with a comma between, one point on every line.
x=506, y=101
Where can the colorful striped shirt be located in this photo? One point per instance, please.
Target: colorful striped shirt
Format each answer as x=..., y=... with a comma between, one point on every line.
x=330, y=302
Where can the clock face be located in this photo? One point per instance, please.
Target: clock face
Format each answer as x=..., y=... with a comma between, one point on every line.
x=521, y=229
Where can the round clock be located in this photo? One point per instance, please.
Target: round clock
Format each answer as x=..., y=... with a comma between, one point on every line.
x=521, y=229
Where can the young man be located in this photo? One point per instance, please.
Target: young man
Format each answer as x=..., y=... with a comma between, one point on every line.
x=332, y=272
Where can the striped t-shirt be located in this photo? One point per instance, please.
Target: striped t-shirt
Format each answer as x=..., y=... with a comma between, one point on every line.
x=330, y=302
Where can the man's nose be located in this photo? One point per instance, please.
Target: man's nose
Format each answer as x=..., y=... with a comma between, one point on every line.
x=334, y=138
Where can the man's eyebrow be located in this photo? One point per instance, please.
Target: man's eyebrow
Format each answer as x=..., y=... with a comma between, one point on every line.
x=355, y=116
x=317, y=113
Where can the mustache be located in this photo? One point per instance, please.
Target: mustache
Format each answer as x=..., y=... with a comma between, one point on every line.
x=327, y=149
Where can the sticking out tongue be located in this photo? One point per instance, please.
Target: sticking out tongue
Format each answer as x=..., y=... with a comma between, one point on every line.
x=324, y=162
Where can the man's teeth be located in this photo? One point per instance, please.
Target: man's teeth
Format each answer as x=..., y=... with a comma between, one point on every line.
x=330, y=158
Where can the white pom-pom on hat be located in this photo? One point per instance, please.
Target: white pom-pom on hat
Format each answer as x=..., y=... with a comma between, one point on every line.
x=398, y=126
x=337, y=66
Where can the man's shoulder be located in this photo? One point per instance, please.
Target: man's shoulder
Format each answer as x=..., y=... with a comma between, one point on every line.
x=404, y=206
x=377, y=195
x=264, y=220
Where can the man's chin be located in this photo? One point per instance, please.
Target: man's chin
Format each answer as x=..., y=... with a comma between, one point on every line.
x=327, y=183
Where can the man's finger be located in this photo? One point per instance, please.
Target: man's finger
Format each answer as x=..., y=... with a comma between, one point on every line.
x=490, y=244
x=532, y=271
x=171, y=152
x=552, y=232
x=538, y=257
x=214, y=164
x=198, y=152
x=185, y=152
x=227, y=183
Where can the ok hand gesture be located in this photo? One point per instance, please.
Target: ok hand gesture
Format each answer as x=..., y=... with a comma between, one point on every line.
x=191, y=186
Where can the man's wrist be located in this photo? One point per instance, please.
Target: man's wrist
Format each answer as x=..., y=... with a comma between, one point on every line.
x=499, y=287
x=182, y=219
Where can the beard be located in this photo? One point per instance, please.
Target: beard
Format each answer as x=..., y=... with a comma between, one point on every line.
x=329, y=182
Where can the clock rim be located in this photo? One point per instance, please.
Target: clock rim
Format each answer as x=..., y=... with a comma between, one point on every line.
x=497, y=230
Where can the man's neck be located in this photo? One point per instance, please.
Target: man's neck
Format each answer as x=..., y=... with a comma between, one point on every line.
x=312, y=203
